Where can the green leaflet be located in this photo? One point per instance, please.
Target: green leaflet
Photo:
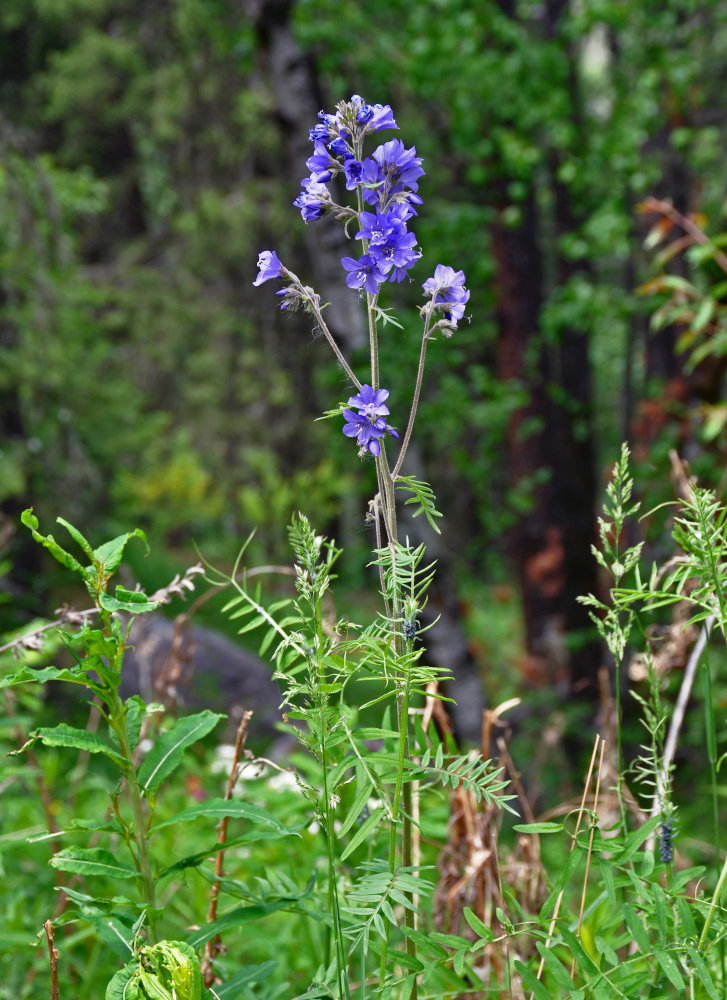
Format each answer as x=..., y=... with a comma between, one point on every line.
x=192, y=860
x=167, y=753
x=555, y=967
x=543, y=827
x=104, y=561
x=219, y=808
x=124, y=984
x=477, y=925
x=127, y=600
x=531, y=982
x=26, y=675
x=135, y=709
x=365, y=832
x=48, y=541
x=423, y=496
x=64, y=735
x=91, y=861
x=703, y=972
x=670, y=969
x=239, y=915
x=77, y=537
x=250, y=974
x=110, y=554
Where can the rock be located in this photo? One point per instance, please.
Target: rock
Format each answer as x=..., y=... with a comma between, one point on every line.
x=188, y=667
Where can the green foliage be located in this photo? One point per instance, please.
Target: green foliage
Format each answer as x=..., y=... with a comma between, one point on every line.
x=423, y=496
x=615, y=625
x=163, y=971
x=129, y=828
x=145, y=155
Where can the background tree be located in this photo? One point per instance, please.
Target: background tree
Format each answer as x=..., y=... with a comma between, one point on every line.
x=146, y=158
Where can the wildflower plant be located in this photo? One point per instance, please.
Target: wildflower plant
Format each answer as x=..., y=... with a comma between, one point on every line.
x=374, y=934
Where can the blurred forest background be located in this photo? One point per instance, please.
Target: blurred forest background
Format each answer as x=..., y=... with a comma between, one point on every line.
x=149, y=149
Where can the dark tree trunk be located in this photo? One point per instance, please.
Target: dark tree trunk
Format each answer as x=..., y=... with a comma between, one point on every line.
x=298, y=98
x=537, y=542
x=574, y=472
x=550, y=441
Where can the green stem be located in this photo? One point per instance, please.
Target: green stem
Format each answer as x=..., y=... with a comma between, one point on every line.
x=386, y=492
x=332, y=889
x=402, y=718
x=333, y=903
x=387, y=502
x=619, y=747
x=713, y=905
x=406, y=827
x=117, y=713
x=415, y=400
x=373, y=340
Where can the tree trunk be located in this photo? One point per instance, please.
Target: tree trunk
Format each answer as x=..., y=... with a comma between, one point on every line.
x=298, y=99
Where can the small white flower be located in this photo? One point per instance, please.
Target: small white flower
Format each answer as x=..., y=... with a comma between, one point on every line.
x=282, y=780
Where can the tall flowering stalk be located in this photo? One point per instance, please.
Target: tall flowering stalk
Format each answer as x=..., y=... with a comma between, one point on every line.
x=384, y=187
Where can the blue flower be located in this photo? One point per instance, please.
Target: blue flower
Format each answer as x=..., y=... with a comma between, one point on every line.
x=370, y=401
x=338, y=146
x=353, y=170
x=269, y=267
x=389, y=242
x=379, y=226
x=399, y=164
x=319, y=133
x=311, y=199
x=364, y=114
x=392, y=169
x=397, y=252
x=369, y=424
x=367, y=434
x=447, y=291
x=364, y=273
x=382, y=118
x=320, y=164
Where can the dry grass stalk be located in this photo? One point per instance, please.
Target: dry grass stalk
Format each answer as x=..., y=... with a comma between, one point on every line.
x=55, y=993
x=581, y=813
x=471, y=874
x=214, y=947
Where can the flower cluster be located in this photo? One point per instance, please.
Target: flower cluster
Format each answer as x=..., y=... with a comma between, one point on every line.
x=386, y=180
x=447, y=296
x=386, y=186
x=369, y=424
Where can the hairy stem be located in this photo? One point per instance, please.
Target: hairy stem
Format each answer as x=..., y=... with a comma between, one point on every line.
x=415, y=400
